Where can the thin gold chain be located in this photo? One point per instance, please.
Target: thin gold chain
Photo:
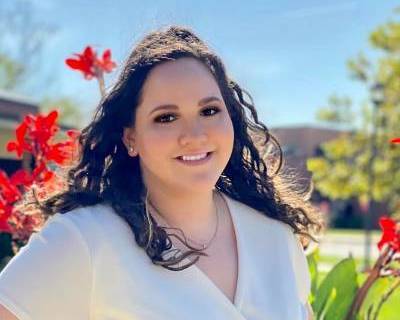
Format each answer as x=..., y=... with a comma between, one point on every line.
x=202, y=245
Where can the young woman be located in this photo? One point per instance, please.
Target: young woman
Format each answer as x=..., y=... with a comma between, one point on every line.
x=175, y=209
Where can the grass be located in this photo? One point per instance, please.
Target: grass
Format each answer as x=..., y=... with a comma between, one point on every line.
x=332, y=260
x=352, y=232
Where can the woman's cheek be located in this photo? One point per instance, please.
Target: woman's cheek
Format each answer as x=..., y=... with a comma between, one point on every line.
x=225, y=128
x=159, y=137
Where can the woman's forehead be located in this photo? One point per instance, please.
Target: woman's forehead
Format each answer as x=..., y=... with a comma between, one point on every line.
x=183, y=66
x=185, y=77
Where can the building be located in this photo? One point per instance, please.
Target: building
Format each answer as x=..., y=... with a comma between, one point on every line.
x=302, y=142
x=13, y=109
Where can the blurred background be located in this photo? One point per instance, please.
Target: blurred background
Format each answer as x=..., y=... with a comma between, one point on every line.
x=324, y=77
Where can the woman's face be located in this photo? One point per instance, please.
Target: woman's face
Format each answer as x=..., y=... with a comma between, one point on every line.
x=193, y=121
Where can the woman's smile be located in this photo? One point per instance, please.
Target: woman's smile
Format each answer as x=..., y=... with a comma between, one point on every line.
x=196, y=161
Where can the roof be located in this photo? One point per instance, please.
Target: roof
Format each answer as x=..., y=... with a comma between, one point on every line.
x=16, y=98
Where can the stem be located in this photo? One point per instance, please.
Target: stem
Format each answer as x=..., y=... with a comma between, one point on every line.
x=362, y=292
x=100, y=80
x=369, y=312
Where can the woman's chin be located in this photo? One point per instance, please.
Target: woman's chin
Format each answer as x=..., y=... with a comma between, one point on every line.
x=198, y=184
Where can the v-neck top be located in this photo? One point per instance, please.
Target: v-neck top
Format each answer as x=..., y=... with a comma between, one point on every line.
x=86, y=264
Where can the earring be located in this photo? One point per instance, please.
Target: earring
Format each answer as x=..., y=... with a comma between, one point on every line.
x=132, y=152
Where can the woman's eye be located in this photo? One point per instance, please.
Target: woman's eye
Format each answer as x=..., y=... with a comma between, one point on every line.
x=215, y=109
x=164, y=117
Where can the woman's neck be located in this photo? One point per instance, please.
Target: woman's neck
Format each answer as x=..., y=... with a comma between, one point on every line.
x=194, y=213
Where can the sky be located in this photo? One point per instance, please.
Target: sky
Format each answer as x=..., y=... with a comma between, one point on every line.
x=289, y=55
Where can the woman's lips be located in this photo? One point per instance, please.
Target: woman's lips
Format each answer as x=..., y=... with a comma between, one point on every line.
x=196, y=162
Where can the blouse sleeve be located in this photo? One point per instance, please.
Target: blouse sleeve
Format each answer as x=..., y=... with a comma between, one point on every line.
x=301, y=270
x=50, y=277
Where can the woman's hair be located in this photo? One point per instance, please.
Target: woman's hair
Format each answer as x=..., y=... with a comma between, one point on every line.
x=105, y=173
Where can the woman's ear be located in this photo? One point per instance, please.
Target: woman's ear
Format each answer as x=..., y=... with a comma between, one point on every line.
x=128, y=137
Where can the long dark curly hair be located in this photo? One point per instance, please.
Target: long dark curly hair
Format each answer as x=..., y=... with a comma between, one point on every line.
x=252, y=175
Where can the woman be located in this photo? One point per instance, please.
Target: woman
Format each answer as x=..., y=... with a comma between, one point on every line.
x=172, y=211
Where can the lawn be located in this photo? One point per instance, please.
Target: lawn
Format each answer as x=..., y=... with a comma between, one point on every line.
x=352, y=232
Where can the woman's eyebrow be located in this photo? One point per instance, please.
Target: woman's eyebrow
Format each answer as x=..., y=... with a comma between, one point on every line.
x=174, y=106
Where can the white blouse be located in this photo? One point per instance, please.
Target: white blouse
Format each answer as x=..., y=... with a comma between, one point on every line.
x=85, y=264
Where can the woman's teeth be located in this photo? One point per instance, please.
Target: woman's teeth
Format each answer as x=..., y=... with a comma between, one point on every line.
x=198, y=157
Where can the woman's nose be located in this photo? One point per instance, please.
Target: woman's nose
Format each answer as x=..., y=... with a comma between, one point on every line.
x=193, y=132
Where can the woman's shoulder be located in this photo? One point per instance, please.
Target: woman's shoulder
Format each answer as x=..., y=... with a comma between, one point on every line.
x=58, y=255
x=92, y=222
x=256, y=220
x=88, y=216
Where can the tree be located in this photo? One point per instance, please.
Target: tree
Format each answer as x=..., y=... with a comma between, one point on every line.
x=22, y=44
x=70, y=114
x=362, y=163
x=10, y=72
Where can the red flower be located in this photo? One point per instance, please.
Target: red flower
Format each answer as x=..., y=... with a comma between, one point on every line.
x=85, y=62
x=391, y=233
x=106, y=64
x=21, y=177
x=73, y=134
x=395, y=140
x=5, y=213
x=41, y=173
x=89, y=64
x=34, y=135
x=20, y=145
x=42, y=128
x=8, y=191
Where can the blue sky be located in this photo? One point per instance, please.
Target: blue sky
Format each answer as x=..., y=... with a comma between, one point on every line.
x=290, y=55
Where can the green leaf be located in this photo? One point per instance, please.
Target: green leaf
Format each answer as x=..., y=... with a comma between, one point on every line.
x=328, y=302
x=336, y=293
x=312, y=260
x=374, y=295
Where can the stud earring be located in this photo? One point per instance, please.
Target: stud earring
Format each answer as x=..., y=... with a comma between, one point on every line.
x=132, y=152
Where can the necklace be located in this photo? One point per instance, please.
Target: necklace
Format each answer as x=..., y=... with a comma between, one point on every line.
x=202, y=245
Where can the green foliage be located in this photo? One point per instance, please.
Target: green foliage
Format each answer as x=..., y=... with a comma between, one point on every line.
x=338, y=111
x=20, y=61
x=69, y=109
x=23, y=56
x=373, y=298
x=340, y=173
x=312, y=260
x=336, y=292
x=332, y=293
x=10, y=72
x=345, y=169
x=359, y=67
x=386, y=37
x=387, y=286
